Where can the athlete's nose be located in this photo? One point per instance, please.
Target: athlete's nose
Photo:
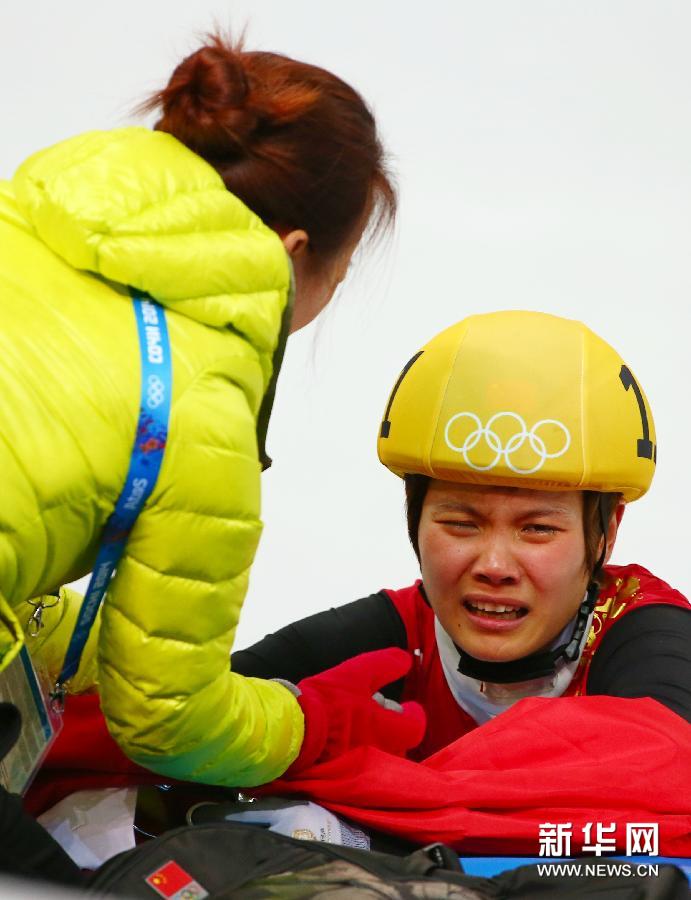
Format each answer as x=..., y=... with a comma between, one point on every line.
x=495, y=562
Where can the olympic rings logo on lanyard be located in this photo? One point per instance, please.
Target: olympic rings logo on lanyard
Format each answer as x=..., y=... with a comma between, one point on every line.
x=155, y=392
x=537, y=444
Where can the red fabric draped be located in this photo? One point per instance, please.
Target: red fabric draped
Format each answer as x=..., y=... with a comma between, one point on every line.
x=568, y=760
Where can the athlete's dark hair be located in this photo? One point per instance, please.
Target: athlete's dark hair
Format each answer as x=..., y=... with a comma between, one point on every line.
x=416, y=490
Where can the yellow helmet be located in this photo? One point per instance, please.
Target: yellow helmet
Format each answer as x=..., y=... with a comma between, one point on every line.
x=523, y=399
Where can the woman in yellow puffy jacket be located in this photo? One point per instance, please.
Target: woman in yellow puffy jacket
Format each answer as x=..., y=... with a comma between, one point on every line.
x=253, y=190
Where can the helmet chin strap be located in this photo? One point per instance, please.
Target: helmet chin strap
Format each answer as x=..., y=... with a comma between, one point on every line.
x=537, y=665
x=541, y=664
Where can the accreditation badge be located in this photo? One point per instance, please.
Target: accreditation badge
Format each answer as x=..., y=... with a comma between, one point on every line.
x=23, y=686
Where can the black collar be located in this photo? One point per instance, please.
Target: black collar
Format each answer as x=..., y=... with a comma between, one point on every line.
x=537, y=665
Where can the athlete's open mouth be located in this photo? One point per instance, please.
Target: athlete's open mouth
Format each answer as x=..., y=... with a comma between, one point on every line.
x=495, y=610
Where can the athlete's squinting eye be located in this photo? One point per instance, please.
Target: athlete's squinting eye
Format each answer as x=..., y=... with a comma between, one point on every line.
x=458, y=523
x=539, y=528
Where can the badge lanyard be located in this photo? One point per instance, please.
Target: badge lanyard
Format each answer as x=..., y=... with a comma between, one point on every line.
x=21, y=683
x=145, y=463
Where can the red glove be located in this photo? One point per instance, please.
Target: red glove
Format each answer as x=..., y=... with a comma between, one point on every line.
x=342, y=709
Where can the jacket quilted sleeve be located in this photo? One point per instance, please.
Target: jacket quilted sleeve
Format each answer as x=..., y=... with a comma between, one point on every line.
x=171, y=701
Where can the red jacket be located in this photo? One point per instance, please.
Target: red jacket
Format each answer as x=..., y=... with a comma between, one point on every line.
x=626, y=588
x=573, y=760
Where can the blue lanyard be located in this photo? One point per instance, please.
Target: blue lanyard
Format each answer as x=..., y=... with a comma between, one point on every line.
x=145, y=463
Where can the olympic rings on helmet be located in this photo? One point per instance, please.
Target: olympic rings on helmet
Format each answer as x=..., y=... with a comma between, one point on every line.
x=514, y=443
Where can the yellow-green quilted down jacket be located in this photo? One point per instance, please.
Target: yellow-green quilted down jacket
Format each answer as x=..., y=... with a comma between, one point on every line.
x=78, y=223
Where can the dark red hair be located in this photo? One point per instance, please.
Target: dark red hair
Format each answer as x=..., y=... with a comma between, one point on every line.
x=292, y=141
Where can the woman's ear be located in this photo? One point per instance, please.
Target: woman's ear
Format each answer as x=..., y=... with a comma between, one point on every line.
x=296, y=242
x=613, y=527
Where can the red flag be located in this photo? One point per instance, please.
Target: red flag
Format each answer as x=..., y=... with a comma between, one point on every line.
x=171, y=880
x=572, y=759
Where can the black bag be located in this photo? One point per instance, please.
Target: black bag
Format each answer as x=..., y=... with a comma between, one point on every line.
x=26, y=848
x=229, y=860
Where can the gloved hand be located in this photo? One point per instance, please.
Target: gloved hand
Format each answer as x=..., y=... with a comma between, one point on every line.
x=343, y=709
